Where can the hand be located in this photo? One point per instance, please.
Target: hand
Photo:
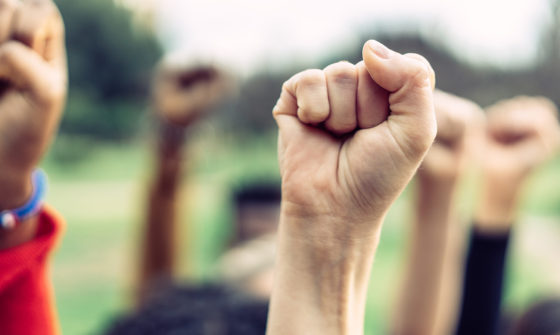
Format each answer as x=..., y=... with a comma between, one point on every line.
x=183, y=94
x=352, y=136
x=32, y=91
x=459, y=123
x=521, y=134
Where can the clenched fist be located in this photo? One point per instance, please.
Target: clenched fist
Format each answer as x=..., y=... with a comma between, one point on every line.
x=350, y=139
x=460, y=127
x=33, y=82
x=521, y=134
x=183, y=93
x=352, y=136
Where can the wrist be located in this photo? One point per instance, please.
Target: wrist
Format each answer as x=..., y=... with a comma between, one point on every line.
x=326, y=275
x=496, y=209
x=325, y=228
x=434, y=202
x=15, y=189
x=18, y=217
x=435, y=189
x=437, y=180
x=171, y=134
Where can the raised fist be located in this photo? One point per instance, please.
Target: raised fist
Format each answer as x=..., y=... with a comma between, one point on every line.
x=460, y=122
x=33, y=84
x=182, y=94
x=521, y=134
x=352, y=136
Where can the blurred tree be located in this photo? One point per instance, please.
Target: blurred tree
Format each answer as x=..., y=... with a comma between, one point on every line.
x=110, y=61
x=550, y=39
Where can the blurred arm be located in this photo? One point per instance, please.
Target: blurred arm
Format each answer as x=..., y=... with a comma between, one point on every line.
x=158, y=252
x=181, y=96
x=483, y=283
x=427, y=296
x=427, y=263
x=32, y=97
x=522, y=133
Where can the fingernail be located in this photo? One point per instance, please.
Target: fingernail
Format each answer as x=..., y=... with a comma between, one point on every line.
x=379, y=49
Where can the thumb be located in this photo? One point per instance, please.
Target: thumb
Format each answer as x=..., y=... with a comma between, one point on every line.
x=27, y=71
x=410, y=81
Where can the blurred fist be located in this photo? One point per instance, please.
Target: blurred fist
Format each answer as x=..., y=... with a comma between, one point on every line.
x=459, y=123
x=352, y=136
x=521, y=134
x=182, y=94
x=33, y=84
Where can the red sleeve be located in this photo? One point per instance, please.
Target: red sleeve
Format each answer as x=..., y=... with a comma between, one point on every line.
x=26, y=294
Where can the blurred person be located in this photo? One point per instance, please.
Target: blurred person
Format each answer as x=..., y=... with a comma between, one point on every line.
x=542, y=318
x=257, y=207
x=208, y=309
x=249, y=264
x=33, y=85
x=181, y=95
x=521, y=134
x=350, y=139
x=427, y=295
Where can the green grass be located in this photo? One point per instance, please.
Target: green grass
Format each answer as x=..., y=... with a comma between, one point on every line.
x=100, y=190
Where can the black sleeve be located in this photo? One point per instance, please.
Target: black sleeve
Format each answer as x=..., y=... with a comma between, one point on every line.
x=483, y=282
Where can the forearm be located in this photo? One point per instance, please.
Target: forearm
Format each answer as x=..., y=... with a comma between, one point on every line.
x=320, y=284
x=498, y=202
x=159, y=246
x=420, y=296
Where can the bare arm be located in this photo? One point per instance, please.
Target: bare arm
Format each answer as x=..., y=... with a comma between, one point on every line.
x=522, y=133
x=158, y=258
x=180, y=97
x=32, y=96
x=431, y=255
x=338, y=181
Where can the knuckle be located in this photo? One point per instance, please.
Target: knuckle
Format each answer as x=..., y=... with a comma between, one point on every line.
x=56, y=92
x=420, y=75
x=8, y=52
x=313, y=77
x=420, y=71
x=342, y=72
x=312, y=114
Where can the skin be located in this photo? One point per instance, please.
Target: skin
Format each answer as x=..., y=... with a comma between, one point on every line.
x=343, y=160
x=33, y=90
x=433, y=252
x=181, y=95
x=522, y=133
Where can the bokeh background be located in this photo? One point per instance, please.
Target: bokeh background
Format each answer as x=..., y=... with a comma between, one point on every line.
x=100, y=162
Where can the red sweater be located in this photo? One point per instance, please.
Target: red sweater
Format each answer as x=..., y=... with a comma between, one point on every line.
x=26, y=295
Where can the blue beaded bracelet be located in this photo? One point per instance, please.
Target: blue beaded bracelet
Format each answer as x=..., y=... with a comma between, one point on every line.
x=12, y=217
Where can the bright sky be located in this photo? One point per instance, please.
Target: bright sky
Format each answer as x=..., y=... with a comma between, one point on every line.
x=251, y=34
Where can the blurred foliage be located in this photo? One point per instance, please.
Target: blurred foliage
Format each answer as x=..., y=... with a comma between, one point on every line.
x=110, y=61
x=481, y=83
